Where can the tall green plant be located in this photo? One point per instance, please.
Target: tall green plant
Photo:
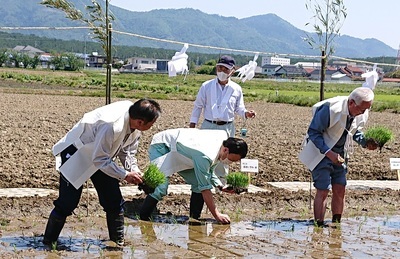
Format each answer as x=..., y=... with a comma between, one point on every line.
x=328, y=18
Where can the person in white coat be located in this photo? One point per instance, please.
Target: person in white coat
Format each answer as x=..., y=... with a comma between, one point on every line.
x=336, y=123
x=193, y=154
x=220, y=99
x=89, y=150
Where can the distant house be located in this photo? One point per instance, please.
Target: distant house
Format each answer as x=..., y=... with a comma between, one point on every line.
x=162, y=65
x=29, y=50
x=391, y=80
x=308, y=71
x=354, y=71
x=96, y=60
x=44, y=60
x=269, y=70
x=139, y=63
x=342, y=64
x=339, y=76
x=316, y=74
x=312, y=65
x=290, y=72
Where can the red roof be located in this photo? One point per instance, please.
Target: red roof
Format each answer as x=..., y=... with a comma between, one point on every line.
x=354, y=69
x=391, y=80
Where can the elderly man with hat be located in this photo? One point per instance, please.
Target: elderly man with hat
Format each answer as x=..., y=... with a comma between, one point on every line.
x=220, y=99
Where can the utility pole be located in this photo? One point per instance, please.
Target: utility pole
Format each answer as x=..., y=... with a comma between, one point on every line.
x=108, y=48
x=323, y=65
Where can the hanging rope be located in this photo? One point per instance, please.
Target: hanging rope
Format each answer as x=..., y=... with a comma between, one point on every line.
x=203, y=46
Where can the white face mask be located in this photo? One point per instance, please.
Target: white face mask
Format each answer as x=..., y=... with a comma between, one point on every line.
x=226, y=161
x=222, y=76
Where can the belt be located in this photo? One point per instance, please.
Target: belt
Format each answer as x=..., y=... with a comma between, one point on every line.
x=219, y=122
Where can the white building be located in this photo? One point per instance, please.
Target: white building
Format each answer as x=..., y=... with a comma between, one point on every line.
x=275, y=61
x=139, y=63
x=308, y=65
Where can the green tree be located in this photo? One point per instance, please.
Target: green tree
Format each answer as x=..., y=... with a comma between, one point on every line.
x=3, y=57
x=34, y=62
x=72, y=62
x=25, y=59
x=16, y=58
x=329, y=17
x=57, y=61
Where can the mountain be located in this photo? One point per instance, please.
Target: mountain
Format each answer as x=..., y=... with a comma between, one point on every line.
x=264, y=33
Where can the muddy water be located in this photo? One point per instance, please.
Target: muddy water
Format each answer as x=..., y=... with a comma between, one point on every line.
x=355, y=238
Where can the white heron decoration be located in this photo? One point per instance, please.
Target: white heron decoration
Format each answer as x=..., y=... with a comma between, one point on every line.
x=371, y=78
x=178, y=63
x=247, y=72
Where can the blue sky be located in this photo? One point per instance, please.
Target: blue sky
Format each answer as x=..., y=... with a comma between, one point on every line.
x=365, y=18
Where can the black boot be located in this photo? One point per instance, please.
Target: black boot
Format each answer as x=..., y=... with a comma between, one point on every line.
x=53, y=229
x=196, y=205
x=115, y=225
x=148, y=206
x=336, y=218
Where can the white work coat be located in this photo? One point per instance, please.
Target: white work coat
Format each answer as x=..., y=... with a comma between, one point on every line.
x=189, y=137
x=310, y=155
x=80, y=167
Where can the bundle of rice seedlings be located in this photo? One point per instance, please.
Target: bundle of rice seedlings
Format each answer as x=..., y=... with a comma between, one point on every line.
x=380, y=134
x=238, y=181
x=152, y=178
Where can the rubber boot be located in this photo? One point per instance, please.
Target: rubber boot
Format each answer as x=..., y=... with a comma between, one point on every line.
x=53, y=228
x=115, y=225
x=196, y=205
x=148, y=206
x=336, y=218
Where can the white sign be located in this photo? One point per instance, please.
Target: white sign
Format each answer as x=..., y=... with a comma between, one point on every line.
x=249, y=165
x=394, y=163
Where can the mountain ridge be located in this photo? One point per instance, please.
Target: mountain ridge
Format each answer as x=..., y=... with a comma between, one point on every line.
x=264, y=33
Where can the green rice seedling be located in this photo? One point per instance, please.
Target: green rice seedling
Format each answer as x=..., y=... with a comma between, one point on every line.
x=152, y=178
x=380, y=134
x=54, y=246
x=238, y=181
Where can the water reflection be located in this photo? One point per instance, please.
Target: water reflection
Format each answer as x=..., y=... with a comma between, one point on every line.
x=327, y=242
x=354, y=237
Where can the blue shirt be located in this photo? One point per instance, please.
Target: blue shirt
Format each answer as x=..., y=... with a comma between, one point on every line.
x=320, y=123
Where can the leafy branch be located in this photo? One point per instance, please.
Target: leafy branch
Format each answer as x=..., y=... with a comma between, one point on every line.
x=329, y=19
x=97, y=20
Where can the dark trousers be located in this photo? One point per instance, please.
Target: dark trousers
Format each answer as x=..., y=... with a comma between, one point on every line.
x=107, y=188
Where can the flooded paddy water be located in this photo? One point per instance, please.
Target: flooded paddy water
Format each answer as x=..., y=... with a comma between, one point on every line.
x=357, y=237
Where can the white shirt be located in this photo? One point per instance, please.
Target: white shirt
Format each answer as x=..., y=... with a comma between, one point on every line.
x=219, y=104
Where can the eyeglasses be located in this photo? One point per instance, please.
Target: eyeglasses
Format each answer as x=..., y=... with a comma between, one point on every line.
x=359, y=109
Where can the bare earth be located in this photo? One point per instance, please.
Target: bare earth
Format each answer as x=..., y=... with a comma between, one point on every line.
x=31, y=124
